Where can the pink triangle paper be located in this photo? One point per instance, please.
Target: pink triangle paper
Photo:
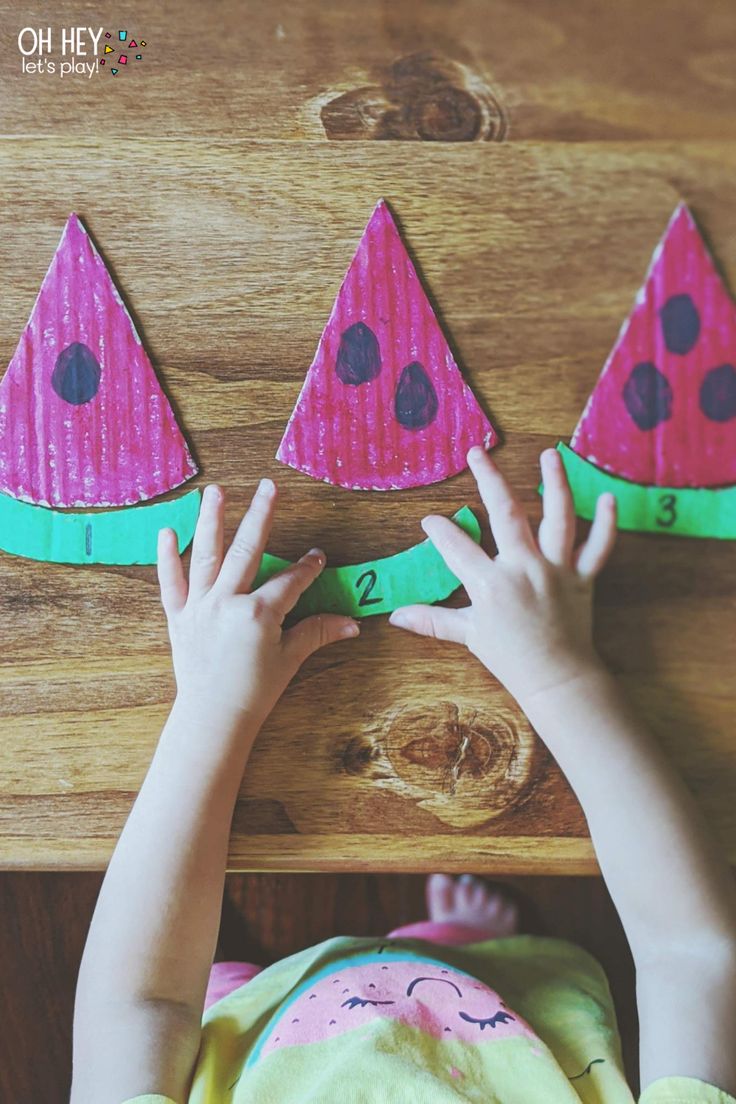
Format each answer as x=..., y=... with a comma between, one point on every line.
x=664, y=409
x=383, y=406
x=83, y=419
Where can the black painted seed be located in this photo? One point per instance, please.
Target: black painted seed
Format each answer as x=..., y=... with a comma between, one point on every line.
x=648, y=396
x=415, y=401
x=718, y=393
x=76, y=374
x=359, y=356
x=680, y=323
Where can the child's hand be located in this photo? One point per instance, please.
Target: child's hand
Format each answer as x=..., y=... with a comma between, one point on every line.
x=231, y=657
x=530, y=618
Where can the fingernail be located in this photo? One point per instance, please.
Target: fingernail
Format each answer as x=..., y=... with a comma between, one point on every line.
x=349, y=630
x=475, y=453
x=266, y=487
x=316, y=554
x=211, y=493
x=399, y=619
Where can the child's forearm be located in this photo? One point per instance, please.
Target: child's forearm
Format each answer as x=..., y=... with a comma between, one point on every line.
x=670, y=885
x=155, y=926
x=143, y=979
x=529, y=622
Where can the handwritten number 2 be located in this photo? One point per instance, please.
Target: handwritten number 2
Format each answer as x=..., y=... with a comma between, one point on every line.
x=667, y=511
x=370, y=579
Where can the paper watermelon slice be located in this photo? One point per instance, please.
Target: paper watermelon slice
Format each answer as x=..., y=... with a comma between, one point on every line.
x=383, y=406
x=659, y=429
x=83, y=419
x=664, y=409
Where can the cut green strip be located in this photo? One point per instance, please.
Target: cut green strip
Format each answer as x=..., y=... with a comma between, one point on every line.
x=124, y=536
x=683, y=511
x=418, y=574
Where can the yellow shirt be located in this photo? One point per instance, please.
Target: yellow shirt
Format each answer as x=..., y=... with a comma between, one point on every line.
x=393, y=1021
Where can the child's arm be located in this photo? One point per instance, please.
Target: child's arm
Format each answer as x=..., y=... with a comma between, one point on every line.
x=150, y=947
x=530, y=624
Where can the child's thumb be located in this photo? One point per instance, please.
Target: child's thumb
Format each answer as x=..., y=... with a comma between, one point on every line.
x=314, y=632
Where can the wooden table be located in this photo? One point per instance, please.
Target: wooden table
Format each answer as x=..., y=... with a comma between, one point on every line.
x=218, y=187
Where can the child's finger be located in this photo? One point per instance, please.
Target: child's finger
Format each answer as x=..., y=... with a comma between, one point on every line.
x=509, y=523
x=171, y=578
x=243, y=557
x=463, y=556
x=557, y=530
x=314, y=632
x=208, y=541
x=593, y=554
x=436, y=621
x=283, y=591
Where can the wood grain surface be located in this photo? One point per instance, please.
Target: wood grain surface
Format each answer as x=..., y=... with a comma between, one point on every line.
x=471, y=70
x=388, y=752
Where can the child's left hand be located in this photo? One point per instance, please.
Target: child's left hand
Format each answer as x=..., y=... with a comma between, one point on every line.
x=232, y=659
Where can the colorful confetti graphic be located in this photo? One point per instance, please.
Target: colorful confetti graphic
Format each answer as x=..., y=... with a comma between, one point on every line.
x=130, y=44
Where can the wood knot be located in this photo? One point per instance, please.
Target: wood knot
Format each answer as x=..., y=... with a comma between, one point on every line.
x=357, y=755
x=420, y=97
x=464, y=766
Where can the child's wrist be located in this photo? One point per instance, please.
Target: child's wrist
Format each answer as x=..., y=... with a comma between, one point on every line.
x=581, y=676
x=214, y=721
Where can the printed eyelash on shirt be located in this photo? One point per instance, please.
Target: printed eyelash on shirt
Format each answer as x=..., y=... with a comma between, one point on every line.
x=361, y=1002
x=490, y=1021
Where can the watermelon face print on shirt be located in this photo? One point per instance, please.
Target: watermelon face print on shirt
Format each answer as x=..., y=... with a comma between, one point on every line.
x=420, y=992
x=84, y=423
x=384, y=406
x=659, y=430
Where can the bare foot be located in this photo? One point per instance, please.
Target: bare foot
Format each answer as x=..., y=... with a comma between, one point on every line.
x=469, y=900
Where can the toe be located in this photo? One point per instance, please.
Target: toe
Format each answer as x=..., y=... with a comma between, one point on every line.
x=500, y=910
x=465, y=892
x=508, y=918
x=479, y=898
x=440, y=892
x=494, y=904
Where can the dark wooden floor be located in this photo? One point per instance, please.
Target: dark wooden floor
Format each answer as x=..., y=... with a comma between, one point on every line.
x=44, y=919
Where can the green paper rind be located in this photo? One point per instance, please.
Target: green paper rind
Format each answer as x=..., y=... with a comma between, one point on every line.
x=682, y=511
x=418, y=574
x=125, y=536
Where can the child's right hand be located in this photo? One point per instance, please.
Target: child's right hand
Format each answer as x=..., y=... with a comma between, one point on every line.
x=530, y=617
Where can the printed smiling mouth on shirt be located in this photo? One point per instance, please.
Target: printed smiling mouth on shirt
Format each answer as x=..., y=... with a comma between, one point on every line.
x=445, y=981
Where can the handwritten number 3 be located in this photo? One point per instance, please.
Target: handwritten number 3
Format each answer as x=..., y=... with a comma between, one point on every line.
x=668, y=512
x=370, y=579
